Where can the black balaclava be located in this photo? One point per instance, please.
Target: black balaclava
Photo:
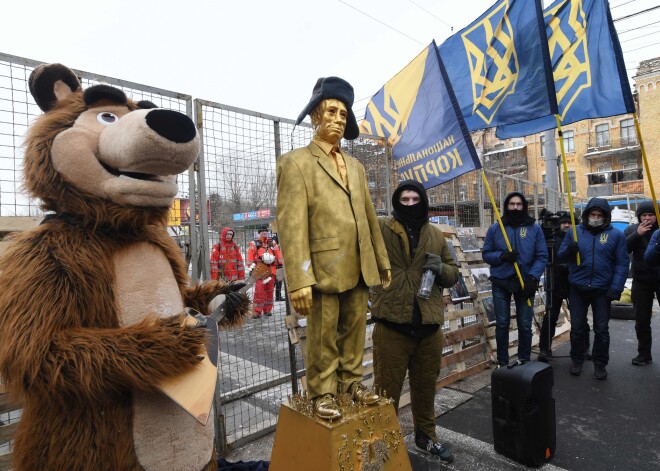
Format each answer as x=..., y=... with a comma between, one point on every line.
x=414, y=215
x=411, y=217
x=515, y=217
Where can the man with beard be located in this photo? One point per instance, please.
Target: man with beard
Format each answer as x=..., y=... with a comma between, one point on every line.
x=596, y=281
x=407, y=336
x=529, y=251
x=645, y=279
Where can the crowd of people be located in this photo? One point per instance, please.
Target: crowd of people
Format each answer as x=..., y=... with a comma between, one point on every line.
x=338, y=254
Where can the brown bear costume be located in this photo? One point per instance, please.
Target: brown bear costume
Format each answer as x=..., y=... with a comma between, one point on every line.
x=91, y=301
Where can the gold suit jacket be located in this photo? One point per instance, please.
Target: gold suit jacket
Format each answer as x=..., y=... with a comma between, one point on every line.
x=328, y=233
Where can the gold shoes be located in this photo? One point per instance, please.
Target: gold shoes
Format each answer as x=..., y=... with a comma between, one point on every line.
x=361, y=394
x=326, y=408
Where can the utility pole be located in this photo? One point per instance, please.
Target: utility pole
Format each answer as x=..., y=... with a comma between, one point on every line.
x=553, y=202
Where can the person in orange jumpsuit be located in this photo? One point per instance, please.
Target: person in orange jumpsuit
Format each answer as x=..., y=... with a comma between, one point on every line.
x=226, y=258
x=264, y=249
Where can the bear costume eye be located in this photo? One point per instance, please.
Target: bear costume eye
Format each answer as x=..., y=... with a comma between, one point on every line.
x=107, y=118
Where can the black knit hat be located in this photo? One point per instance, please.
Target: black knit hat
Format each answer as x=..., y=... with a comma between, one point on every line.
x=339, y=89
x=645, y=207
x=564, y=216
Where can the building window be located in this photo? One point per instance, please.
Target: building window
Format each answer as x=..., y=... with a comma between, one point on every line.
x=604, y=168
x=462, y=192
x=569, y=142
x=571, y=179
x=432, y=197
x=543, y=179
x=628, y=135
x=542, y=141
x=445, y=197
x=602, y=135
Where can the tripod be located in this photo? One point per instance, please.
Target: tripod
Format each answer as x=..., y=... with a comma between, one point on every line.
x=552, y=302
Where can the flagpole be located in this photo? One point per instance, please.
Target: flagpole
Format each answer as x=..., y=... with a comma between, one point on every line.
x=499, y=220
x=568, y=183
x=646, y=167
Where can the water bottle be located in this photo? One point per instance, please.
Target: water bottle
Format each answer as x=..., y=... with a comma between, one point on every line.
x=426, y=285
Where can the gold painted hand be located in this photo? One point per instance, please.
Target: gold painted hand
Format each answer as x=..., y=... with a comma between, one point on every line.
x=301, y=299
x=385, y=278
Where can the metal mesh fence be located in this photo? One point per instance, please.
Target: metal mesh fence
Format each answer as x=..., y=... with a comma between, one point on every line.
x=18, y=110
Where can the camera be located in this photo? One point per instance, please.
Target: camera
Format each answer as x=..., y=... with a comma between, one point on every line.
x=551, y=223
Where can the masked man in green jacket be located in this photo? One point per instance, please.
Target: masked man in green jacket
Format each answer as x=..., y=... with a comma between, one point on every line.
x=332, y=247
x=407, y=335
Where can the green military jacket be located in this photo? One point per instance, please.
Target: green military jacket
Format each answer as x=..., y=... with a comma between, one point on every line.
x=395, y=304
x=328, y=232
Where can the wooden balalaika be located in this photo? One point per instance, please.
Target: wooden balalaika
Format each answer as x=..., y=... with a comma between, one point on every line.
x=193, y=391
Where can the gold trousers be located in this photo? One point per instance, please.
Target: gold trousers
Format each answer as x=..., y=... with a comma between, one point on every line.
x=335, y=340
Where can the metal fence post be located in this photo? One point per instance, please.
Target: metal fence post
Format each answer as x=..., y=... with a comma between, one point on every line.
x=536, y=202
x=453, y=183
x=480, y=198
x=501, y=193
x=388, y=182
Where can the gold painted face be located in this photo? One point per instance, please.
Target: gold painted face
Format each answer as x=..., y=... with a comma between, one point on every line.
x=333, y=121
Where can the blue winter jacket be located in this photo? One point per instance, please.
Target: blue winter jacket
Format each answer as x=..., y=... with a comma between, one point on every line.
x=652, y=254
x=527, y=239
x=603, y=259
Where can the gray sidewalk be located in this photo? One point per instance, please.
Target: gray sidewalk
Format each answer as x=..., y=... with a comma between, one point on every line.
x=601, y=425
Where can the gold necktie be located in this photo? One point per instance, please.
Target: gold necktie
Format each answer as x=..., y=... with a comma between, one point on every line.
x=340, y=165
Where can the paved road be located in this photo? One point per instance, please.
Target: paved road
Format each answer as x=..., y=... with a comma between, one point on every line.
x=254, y=373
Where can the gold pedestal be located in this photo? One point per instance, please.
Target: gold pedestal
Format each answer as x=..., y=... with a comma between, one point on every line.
x=366, y=438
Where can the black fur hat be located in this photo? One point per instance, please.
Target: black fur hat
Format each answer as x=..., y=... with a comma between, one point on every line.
x=339, y=89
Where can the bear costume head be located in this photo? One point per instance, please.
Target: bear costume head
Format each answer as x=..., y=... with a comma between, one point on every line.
x=101, y=157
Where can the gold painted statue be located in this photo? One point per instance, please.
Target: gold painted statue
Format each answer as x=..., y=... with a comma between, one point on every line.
x=332, y=246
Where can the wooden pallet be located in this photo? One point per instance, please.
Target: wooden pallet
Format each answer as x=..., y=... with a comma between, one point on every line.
x=12, y=224
x=474, y=260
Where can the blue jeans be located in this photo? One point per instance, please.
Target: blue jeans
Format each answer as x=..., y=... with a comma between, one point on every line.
x=580, y=300
x=502, y=304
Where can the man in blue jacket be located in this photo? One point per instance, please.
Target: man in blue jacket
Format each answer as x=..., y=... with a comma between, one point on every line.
x=528, y=249
x=652, y=254
x=596, y=282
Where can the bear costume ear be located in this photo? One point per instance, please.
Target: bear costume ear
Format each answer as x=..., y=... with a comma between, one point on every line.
x=52, y=83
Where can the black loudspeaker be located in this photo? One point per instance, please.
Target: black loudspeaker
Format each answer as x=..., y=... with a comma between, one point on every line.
x=524, y=412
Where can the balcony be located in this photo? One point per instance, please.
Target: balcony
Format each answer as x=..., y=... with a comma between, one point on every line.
x=606, y=145
x=510, y=160
x=616, y=182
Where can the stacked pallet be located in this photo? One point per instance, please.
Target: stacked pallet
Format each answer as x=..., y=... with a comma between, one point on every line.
x=465, y=347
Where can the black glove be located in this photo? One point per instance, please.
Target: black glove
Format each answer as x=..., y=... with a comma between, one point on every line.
x=574, y=248
x=531, y=285
x=613, y=295
x=433, y=263
x=234, y=299
x=509, y=257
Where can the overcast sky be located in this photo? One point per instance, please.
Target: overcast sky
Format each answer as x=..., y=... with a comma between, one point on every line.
x=260, y=55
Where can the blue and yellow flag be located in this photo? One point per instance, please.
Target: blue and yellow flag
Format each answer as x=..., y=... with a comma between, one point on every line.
x=587, y=63
x=417, y=112
x=499, y=66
